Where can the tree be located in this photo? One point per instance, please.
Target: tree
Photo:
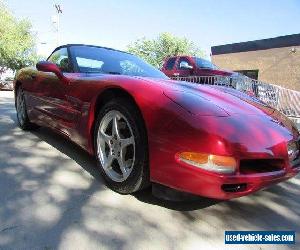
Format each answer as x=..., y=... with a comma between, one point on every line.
x=156, y=50
x=17, y=44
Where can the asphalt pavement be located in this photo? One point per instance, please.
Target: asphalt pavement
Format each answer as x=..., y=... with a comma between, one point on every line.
x=53, y=197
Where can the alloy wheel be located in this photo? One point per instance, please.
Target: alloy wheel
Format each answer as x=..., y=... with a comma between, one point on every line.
x=116, y=146
x=21, y=108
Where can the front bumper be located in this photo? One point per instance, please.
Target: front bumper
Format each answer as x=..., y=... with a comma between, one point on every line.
x=221, y=186
x=244, y=137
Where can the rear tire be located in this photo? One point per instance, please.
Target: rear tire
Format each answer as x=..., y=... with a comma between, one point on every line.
x=21, y=108
x=120, y=143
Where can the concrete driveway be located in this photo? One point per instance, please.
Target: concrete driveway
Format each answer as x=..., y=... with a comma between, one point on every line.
x=52, y=197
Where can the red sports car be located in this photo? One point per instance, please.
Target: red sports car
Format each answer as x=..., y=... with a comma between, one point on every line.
x=143, y=127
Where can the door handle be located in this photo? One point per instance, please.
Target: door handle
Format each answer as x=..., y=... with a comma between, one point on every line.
x=176, y=74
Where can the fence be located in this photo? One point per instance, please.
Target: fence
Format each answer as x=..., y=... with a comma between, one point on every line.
x=285, y=100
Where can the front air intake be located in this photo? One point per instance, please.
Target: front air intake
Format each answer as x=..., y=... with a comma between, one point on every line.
x=234, y=188
x=256, y=166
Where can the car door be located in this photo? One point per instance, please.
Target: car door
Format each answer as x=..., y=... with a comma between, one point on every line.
x=56, y=105
x=184, y=71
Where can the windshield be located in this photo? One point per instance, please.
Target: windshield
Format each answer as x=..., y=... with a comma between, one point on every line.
x=202, y=63
x=91, y=59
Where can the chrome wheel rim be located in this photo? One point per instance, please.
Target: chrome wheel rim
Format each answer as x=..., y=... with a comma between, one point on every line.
x=21, y=108
x=116, y=146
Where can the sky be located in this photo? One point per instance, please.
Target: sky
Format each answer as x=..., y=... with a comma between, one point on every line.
x=116, y=23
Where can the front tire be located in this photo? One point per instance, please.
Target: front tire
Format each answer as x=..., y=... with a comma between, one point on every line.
x=121, y=146
x=23, y=120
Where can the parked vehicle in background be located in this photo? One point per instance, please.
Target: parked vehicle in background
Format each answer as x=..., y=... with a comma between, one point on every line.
x=7, y=84
x=198, y=70
x=192, y=66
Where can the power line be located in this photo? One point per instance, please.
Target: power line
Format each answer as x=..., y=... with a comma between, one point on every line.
x=57, y=21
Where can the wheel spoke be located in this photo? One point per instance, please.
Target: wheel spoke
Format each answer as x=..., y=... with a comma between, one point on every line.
x=124, y=171
x=127, y=141
x=122, y=166
x=121, y=161
x=115, y=128
x=104, y=136
x=108, y=162
x=129, y=163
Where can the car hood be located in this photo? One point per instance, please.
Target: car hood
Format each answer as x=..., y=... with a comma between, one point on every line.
x=212, y=100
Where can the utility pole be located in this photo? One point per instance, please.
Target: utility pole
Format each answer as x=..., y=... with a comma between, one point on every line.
x=56, y=20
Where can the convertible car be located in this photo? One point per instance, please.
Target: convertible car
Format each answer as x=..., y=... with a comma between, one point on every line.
x=144, y=128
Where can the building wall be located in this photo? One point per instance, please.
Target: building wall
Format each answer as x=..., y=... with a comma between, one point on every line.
x=278, y=65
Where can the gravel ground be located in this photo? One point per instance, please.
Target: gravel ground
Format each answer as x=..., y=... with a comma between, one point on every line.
x=52, y=197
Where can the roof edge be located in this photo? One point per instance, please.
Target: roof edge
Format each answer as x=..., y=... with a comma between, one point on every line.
x=88, y=45
x=263, y=44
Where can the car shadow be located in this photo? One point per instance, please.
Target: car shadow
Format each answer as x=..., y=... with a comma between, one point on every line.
x=55, y=199
x=70, y=149
x=88, y=163
x=196, y=203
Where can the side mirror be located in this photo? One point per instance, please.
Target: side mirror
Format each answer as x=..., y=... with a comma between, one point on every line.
x=185, y=65
x=46, y=66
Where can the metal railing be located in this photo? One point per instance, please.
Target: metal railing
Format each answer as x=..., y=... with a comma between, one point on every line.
x=285, y=100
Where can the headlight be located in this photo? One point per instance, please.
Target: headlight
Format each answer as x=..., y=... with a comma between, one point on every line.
x=293, y=150
x=214, y=163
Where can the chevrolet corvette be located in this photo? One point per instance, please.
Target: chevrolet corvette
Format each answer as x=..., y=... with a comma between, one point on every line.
x=144, y=128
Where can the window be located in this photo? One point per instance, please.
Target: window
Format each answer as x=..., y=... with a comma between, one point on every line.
x=202, y=63
x=170, y=63
x=89, y=65
x=91, y=59
x=61, y=59
x=183, y=60
x=130, y=68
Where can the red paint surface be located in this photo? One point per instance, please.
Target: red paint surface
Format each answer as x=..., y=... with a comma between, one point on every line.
x=178, y=117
